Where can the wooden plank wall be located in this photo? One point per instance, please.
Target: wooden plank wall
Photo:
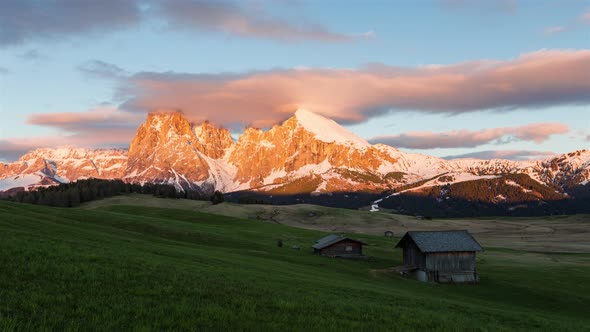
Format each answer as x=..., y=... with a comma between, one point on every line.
x=339, y=249
x=413, y=256
x=450, y=261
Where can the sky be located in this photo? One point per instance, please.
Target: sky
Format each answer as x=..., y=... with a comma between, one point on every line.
x=451, y=78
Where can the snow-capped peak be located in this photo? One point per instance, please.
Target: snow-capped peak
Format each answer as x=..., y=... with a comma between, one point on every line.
x=327, y=130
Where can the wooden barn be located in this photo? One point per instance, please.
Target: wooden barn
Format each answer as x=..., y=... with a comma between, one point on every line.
x=335, y=245
x=441, y=256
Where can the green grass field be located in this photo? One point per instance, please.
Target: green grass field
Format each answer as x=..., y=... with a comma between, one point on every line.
x=149, y=268
x=557, y=234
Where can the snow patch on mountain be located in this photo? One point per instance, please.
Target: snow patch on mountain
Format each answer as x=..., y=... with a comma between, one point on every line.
x=16, y=181
x=514, y=184
x=274, y=176
x=222, y=173
x=60, y=179
x=266, y=144
x=452, y=179
x=413, y=163
x=328, y=130
x=320, y=168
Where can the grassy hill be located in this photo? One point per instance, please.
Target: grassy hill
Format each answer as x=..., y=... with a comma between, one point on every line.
x=557, y=234
x=146, y=268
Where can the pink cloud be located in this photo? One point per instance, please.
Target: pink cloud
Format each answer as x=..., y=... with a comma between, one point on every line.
x=533, y=80
x=537, y=133
x=13, y=148
x=114, y=137
x=585, y=17
x=96, y=128
x=505, y=154
x=539, y=79
x=95, y=119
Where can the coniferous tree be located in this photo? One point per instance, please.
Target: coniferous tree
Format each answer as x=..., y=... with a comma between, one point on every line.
x=217, y=197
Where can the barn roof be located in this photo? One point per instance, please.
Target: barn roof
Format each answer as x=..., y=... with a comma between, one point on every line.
x=441, y=241
x=331, y=239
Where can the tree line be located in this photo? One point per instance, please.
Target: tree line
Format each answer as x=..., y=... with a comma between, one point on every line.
x=75, y=193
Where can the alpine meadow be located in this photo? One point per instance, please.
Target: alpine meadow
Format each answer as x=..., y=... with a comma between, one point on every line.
x=124, y=267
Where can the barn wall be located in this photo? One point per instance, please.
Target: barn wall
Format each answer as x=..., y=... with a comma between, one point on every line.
x=413, y=255
x=339, y=249
x=450, y=261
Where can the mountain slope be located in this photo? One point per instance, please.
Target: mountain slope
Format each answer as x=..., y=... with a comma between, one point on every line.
x=166, y=151
x=305, y=154
x=298, y=150
x=54, y=166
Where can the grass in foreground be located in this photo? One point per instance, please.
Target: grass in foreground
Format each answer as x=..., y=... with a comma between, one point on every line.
x=124, y=267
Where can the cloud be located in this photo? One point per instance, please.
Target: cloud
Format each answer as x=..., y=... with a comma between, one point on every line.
x=231, y=18
x=29, y=20
x=26, y=20
x=583, y=19
x=549, y=31
x=96, y=128
x=263, y=98
x=537, y=133
x=4, y=71
x=505, y=154
x=97, y=119
x=101, y=69
x=32, y=55
x=13, y=148
x=531, y=81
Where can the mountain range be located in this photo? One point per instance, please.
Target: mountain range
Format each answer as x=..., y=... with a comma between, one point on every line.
x=306, y=154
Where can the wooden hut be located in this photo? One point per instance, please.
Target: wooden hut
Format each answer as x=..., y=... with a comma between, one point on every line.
x=441, y=256
x=338, y=246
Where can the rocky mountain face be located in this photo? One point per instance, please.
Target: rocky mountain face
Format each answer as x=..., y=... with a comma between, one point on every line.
x=305, y=154
x=563, y=171
x=73, y=163
x=308, y=152
x=213, y=141
x=54, y=166
x=166, y=150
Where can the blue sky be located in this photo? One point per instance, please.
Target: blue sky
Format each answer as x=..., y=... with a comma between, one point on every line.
x=391, y=71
